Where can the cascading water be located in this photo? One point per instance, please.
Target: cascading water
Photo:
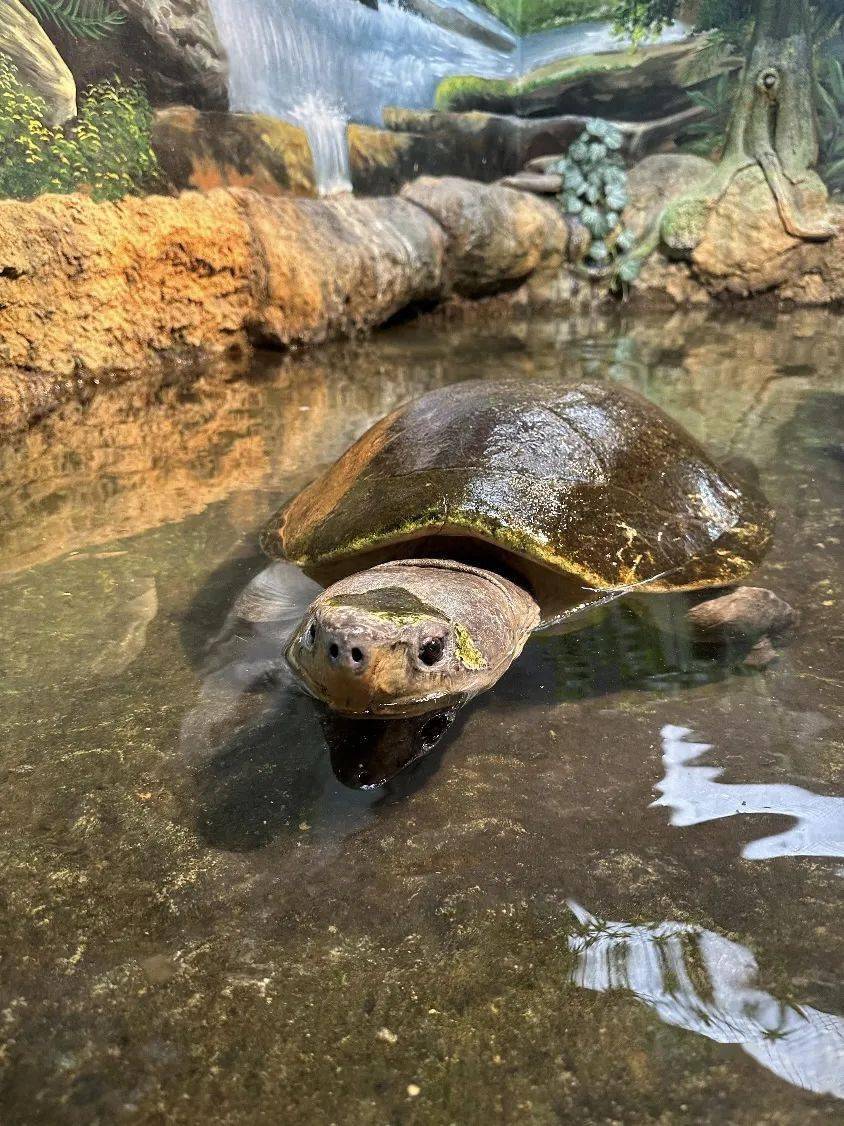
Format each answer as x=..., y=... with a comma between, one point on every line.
x=323, y=63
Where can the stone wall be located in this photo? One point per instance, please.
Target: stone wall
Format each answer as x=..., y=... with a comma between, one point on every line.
x=97, y=292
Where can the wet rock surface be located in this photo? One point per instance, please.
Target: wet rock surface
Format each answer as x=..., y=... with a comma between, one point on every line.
x=203, y=150
x=495, y=235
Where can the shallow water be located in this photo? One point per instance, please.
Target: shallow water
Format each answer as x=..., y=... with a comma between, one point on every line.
x=612, y=893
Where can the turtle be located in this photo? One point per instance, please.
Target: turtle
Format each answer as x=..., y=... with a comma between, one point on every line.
x=484, y=511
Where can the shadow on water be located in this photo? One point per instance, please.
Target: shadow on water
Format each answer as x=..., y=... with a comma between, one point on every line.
x=266, y=759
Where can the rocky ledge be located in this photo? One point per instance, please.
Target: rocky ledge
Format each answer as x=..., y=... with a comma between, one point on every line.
x=98, y=292
x=92, y=293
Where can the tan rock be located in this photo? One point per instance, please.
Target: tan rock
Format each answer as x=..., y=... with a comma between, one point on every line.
x=656, y=180
x=495, y=234
x=108, y=288
x=333, y=267
x=39, y=65
x=745, y=248
x=94, y=291
x=206, y=150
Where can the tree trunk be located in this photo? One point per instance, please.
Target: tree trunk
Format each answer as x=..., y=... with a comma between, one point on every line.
x=774, y=123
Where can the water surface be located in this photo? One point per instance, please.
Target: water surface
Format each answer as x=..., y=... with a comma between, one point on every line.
x=614, y=890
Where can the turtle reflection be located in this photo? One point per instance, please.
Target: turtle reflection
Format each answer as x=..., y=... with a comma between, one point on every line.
x=368, y=753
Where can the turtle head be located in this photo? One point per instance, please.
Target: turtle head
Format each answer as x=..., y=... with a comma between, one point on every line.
x=377, y=645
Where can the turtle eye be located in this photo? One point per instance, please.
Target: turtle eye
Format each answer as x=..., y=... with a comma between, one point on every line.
x=431, y=650
x=310, y=635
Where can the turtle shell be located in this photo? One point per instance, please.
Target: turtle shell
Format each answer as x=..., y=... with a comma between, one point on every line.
x=584, y=479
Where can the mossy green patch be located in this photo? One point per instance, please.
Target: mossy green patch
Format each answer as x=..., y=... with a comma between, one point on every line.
x=524, y=16
x=390, y=604
x=501, y=95
x=467, y=651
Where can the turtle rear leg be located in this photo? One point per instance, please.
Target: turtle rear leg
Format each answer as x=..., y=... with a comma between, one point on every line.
x=748, y=616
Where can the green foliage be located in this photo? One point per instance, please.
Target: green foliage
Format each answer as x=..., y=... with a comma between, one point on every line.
x=731, y=18
x=709, y=136
x=595, y=190
x=83, y=19
x=524, y=16
x=830, y=98
x=643, y=18
x=106, y=151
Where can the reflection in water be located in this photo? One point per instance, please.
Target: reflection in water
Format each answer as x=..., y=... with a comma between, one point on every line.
x=253, y=737
x=698, y=980
x=366, y=753
x=694, y=796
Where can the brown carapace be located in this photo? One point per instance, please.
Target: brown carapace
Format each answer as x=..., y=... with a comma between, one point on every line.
x=483, y=511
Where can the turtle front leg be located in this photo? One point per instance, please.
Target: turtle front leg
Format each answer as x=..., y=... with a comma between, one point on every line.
x=749, y=616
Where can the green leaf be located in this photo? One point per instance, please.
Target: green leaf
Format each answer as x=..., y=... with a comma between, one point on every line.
x=629, y=271
x=83, y=19
x=599, y=251
x=626, y=240
x=574, y=204
x=574, y=180
x=617, y=198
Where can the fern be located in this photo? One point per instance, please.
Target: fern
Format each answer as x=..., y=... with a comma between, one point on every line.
x=83, y=19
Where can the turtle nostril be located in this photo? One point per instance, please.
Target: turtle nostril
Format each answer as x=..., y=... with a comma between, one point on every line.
x=334, y=651
x=357, y=655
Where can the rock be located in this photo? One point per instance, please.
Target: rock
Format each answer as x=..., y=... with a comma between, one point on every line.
x=747, y=613
x=126, y=286
x=656, y=180
x=452, y=19
x=382, y=161
x=170, y=46
x=495, y=235
x=540, y=183
x=333, y=267
x=205, y=149
x=119, y=285
x=482, y=146
x=39, y=65
x=625, y=84
x=487, y=146
x=745, y=248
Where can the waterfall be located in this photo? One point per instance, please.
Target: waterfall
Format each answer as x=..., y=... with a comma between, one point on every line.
x=323, y=63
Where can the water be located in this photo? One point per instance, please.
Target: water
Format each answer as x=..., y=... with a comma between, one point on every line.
x=323, y=63
x=612, y=892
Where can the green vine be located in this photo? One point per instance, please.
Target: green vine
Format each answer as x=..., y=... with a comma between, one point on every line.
x=83, y=19
x=595, y=190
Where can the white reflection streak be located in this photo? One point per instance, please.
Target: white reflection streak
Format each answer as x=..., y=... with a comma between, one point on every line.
x=801, y=1045
x=694, y=796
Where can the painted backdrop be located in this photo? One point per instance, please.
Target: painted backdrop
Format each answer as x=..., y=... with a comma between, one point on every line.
x=306, y=96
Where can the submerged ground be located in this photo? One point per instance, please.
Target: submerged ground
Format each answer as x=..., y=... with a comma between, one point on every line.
x=201, y=924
